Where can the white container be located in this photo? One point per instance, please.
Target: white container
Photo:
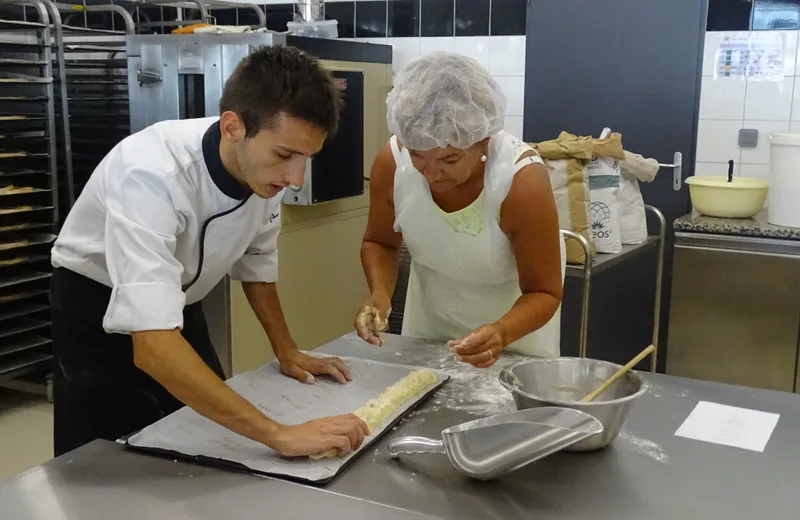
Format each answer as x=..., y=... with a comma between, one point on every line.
x=784, y=180
x=716, y=197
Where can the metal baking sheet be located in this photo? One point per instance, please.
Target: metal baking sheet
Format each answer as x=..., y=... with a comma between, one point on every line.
x=27, y=241
x=187, y=434
x=8, y=298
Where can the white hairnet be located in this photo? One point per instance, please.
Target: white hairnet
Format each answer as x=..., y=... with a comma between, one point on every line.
x=444, y=99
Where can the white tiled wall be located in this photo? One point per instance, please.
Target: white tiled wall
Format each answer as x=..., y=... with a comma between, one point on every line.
x=730, y=104
x=502, y=56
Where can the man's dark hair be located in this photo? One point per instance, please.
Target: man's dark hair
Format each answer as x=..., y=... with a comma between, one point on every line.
x=281, y=79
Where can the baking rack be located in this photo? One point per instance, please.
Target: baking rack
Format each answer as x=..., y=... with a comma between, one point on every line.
x=28, y=192
x=180, y=13
x=92, y=98
x=91, y=71
x=161, y=16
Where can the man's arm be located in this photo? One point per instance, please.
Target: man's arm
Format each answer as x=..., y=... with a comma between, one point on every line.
x=169, y=359
x=166, y=357
x=147, y=302
x=263, y=299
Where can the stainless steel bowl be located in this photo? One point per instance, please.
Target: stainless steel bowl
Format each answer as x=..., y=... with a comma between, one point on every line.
x=565, y=381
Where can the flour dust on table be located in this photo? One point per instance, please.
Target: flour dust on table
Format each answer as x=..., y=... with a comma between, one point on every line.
x=643, y=446
x=471, y=390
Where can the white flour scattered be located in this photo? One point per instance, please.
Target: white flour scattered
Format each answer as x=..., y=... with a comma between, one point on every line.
x=472, y=390
x=644, y=446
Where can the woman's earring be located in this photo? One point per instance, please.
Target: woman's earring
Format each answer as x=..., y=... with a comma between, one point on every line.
x=483, y=158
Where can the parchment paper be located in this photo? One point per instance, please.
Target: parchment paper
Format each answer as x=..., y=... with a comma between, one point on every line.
x=187, y=434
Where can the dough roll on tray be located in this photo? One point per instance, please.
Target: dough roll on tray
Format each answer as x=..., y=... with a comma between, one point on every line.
x=375, y=411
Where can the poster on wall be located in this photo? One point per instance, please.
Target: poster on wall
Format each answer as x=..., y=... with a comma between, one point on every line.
x=757, y=56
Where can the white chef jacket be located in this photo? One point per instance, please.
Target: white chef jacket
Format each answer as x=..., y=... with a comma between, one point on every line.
x=159, y=209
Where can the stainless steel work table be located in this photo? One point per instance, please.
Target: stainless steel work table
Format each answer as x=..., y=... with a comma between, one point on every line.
x=648, y=473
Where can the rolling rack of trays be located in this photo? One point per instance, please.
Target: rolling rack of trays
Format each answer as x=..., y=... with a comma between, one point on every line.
x=160, y=16
x=28, y=192
x=91, y=71
x=92, y=101
x=63, y=106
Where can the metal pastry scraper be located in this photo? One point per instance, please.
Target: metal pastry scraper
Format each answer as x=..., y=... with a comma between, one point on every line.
x=488, y=448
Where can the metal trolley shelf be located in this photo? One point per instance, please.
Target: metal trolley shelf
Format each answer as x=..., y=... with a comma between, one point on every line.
x=604, y=262
x=29, y=191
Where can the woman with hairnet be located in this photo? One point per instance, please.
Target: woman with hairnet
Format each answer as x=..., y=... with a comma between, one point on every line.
x=474, y=207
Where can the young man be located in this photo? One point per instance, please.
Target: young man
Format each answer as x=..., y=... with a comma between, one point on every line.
x=165, y=216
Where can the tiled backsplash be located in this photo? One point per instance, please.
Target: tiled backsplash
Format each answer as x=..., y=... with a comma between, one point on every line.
x=414, y=18
x=489, y=31
x=502, y=56
x=729, y=104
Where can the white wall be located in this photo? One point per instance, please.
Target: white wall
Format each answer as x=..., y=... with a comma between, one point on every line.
x=502, y=56
x=730, y=104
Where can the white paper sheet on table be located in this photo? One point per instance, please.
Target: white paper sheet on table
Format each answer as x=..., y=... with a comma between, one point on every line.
x=288, y=401
x=729, y=426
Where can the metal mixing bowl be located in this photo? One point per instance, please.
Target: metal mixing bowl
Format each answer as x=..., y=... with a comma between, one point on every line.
x=565, y=381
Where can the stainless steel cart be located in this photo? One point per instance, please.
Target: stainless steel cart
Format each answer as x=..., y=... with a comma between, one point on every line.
x=604, y=262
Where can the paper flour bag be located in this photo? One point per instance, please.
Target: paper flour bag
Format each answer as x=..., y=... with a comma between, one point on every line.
x=571, y=193
x=604, y=180
x=632, y=218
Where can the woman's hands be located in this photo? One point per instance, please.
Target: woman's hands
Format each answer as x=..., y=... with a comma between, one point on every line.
x=481, y=347
x=373, y=318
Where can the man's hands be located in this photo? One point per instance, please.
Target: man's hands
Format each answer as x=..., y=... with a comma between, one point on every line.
x=373, y=318
x=303, y=367
x=481, y=347
x=343, y=433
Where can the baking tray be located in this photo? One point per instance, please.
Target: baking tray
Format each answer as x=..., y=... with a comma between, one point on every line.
x=188, y=435
x=22, y=309
x=13, y=297
x=22, y=260
x=27, y=241
x=21, y=61
x=18, y=327
x=24, y=226
x=19, y=154
x=16, y=173
x=23, y=276
x=20, y=190
x=13, y=366
x=22, y=344
x=27, y=134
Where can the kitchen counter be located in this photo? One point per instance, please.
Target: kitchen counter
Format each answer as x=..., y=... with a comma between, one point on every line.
x=647, y=473
x=734, y=297
x=751, y=227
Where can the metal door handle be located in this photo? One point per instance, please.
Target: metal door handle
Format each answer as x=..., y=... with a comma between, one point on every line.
x=147, y=78
x=677, y=170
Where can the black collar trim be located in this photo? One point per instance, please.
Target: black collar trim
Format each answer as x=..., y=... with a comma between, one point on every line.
x=226, y=183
